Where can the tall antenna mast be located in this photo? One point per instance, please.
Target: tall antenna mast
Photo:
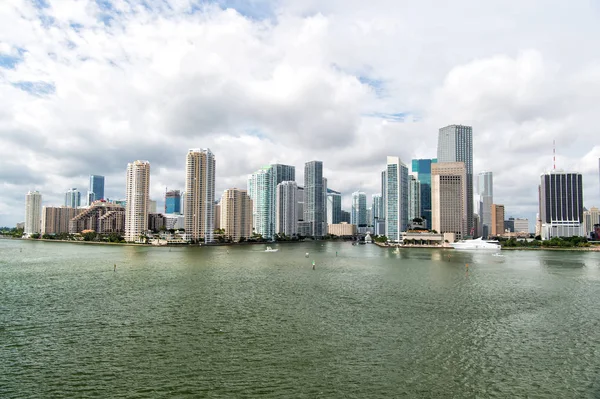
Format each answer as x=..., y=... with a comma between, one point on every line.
x=554, y=153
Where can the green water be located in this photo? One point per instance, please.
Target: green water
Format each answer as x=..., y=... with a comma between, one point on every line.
x=237, y=322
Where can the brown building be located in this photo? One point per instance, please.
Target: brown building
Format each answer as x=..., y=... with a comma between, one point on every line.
x=102, y=217
x=55, y=220
x=497, y=220
x=449, y=198
x=236, y=214
x=342, y=229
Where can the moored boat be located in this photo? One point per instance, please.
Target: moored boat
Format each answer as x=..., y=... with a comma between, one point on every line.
x=476, y=244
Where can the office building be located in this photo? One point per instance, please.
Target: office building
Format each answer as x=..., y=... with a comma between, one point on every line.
x=55, y=220
x=448, y=198
x=102, y=217
x=358, y=212
x=324, y=227
x=199, y=195
x=217, y=223
x=497, y=220
x=561, y=204
x=383, y=199
x=334, y=207
x=520, y=225
x=377, y=208
x=345, y=217
x=33, y=213
x=173, y=202
x=137, y=200
x=300, y=204
x=236, y=214
x=73, y=198
x=414, y=199
x=96, y=188
x=509, y=225
x=314, y=209
x=156, y=222
x=455, y=144
x=396, y=195
x=485, y=198
x=286, y=215
x=422, y=167
x=591, y=217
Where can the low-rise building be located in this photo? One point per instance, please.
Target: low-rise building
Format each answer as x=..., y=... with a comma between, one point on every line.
x=342, y=229
x=102, y=217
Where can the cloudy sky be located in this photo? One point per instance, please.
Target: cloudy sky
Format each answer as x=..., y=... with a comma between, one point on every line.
x=88, y=86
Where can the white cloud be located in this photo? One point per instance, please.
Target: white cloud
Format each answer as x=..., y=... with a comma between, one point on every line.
x=149, y=82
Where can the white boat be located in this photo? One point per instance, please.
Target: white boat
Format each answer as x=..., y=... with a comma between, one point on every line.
x=269, y=249
x=476, y=244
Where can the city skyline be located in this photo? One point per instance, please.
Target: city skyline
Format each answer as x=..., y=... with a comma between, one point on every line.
x=269, y=99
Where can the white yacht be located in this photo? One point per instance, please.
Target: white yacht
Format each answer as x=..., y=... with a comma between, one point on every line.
x=269, y=249
x=477, y=244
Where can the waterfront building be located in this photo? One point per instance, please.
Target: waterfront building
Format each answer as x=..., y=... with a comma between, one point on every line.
x=334, y=207
x=520, y=225
x=591, y=217
x=448, y=198
x=199, y=195
x=96, y=188
x=300, y=204
x=342, y=229
x=55, y=220
x=345, y=217
x=455, y=144
x=383, y=199
x=173, y=202
x=73, y=198
x=485, y=199
x=497, y=220
x=561, y=204
x=102, y=217
x=414, y=199
x=156, y=222
x=509, y=225
x=304, y=228
x=137, y=200
x=377, y=209
x=324, y=206
x=262, y=188
x=236, y=214
x=33, y=212
x=174, y=222
x=217, y=224
x=396, y=196
x=358, y=212
x=422, y=167
x=314, y=209
x=286, y=215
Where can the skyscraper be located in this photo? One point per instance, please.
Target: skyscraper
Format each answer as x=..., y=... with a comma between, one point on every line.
x=448, y=193
x=377, y=213
x=138, y=200
x=561, y=204
x=33, y=212
x=396, y=196
x=313, y=197
x=414, y=198
x=173, y=202
x=96, y=187
x=262, y=187
x=285, y=208
x=485, y=199
x=199, y=195
x=358, y=212
x=73, y=198
x=334, y=207
x=497, y=223
x=455, y=144
x=236, y=214
x=422, y=167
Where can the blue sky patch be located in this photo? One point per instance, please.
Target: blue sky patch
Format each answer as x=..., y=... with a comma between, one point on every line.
x=38, y=88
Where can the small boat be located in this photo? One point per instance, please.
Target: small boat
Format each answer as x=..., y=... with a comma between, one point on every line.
x=269, y=249
x=497, y=254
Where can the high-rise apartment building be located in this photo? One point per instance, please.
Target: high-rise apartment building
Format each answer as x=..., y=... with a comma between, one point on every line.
x=485, y=199
x=55, y=220
x=334, y=207
x=199, y=195
x=377, y=206
x=33, y=212
x=286, y=214
x=236, y=214
x=448, y=198
x=414, y=198
x=262, y=187
x=96, y=188
x=396, y=196
x=383, y=192
x=137, y=200
x=358, y=212
x=422, y=167
x=455, y=144
x=313, y=198
x=300, y=204
x=561, y=204
x=497, y=223
x=73, y=198
x=324, y=227
x=173, y=202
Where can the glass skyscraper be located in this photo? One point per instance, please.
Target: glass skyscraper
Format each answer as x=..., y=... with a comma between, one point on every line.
x=561, y=204
x=313, y=198
x=358, y=213
x=173, y=202
x=96, y=187
x=455, y=144
x=396, y=197
x=485, y=199
x=422, y=167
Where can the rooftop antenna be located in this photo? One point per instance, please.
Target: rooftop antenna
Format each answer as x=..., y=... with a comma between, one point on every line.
x=554, y=153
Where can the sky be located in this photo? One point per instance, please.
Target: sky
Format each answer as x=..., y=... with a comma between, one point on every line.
x=88, y=86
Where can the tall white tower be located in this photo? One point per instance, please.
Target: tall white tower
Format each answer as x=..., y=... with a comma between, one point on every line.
x=33, y=212
x=199, y=209
x=138, y=200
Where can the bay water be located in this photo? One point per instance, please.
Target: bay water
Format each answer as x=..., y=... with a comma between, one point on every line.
x=237, y=322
